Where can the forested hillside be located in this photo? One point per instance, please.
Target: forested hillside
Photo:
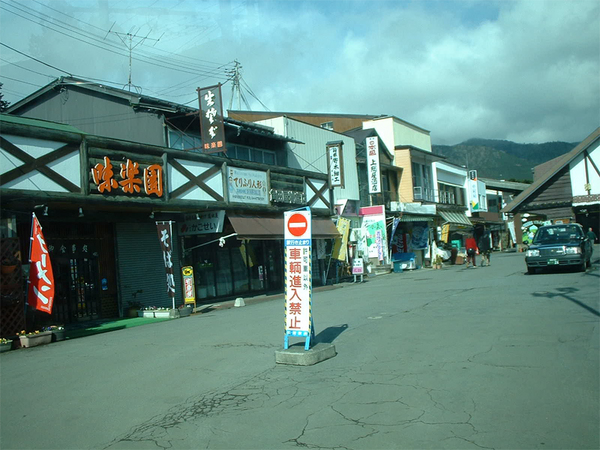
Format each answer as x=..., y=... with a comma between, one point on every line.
x=503, y=160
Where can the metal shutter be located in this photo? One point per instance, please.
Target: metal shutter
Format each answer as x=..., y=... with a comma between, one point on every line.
x=141, y=267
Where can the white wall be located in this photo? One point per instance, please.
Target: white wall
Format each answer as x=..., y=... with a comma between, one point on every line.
x=394, y=131
x=577, y=171
x=312, y=155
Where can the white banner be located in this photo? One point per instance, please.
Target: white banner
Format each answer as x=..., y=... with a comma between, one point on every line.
x=374, y=174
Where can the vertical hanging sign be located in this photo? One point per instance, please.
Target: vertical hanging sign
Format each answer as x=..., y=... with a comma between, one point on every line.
x=211, y=119
x=40, y=292
x=165, y=236
x=298, y=275
x=373, y=165
x=335, y=164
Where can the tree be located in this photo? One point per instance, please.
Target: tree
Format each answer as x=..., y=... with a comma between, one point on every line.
x=3, y=104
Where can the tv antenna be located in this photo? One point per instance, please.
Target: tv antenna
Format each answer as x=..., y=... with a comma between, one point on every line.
x=131, y=41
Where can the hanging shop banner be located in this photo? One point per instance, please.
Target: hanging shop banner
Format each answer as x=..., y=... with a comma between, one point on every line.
x=373, y=165
x=202, y=223
x=165, y=235
x=335, y=164
x=298, y=274
x=40, y=292
x=247, y=186
x=420, y=236
x=188, y=284
x=340, y=245
x=394, y=226
x=211, y=119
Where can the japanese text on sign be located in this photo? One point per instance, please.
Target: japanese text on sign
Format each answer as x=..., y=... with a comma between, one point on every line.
x=211, y=119
x=131, y=181
x=336, y=168
x=298, y=273
x=165, y=233
x=373, y=165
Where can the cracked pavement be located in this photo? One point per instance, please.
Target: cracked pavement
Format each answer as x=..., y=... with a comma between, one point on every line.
x=459, y=359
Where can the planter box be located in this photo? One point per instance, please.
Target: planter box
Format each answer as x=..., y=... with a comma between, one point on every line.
x=5, y=347
x=184, y=312
x=146, y=314
x=58, y=335
x=44, y=337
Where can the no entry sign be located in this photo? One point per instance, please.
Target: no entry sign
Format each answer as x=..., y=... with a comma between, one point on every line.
x=297, y=225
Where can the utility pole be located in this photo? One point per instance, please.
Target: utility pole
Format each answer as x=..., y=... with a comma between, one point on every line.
x=128, y=40
x=236, y=76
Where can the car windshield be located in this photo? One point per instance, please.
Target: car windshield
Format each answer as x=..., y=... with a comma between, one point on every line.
x=558, y=234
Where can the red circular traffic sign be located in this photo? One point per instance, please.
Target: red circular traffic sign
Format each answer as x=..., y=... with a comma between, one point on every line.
x=297, y=225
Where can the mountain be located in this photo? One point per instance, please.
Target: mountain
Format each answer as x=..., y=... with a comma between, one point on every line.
x=503, y=160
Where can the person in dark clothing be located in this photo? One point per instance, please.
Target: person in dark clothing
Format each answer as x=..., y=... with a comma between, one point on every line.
x=591, y=235
x=485, y=247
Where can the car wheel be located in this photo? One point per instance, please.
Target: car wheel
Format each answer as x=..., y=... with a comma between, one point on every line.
x=530, y=270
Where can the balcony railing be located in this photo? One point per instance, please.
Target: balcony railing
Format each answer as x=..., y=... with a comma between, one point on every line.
x=436, y=196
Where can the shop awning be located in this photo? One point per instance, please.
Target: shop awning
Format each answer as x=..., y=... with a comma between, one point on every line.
x=455, y=218
x=269, y=228
x=416, y=218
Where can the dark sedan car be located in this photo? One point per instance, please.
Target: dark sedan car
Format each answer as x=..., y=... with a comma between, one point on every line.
x=559, y=246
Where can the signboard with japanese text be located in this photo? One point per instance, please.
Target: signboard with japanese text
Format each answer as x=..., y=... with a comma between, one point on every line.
x=298, y=274
x=357, y=266
x=335, y=164
x=374, y=174
x=247, y=186
x=40, y=292
x=373, y=221
x=165, y=236
x=188, y=284
x=127, y=177
x=202, y=223
x=211, y=119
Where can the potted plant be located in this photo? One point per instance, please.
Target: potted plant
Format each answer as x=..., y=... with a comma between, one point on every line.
x=9, y=264
x=437, y=262
x=5, y=345
x=34, y=338
x=148, y=312
x=132, y=308
x=58, y=332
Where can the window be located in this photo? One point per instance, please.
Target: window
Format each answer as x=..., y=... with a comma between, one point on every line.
x=243, y=153
x=327, y=125
x=184, y=141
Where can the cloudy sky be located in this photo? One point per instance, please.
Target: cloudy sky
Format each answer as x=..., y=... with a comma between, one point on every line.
x=521, y=70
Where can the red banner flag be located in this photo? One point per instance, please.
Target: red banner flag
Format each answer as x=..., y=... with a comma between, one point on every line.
x=40, y=294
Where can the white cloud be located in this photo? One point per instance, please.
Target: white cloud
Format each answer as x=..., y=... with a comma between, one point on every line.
x=523, y=70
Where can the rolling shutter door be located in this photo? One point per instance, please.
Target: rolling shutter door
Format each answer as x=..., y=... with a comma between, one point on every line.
x=141, y=266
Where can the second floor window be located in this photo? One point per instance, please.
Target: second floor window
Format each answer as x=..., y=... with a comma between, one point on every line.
x=184, y=141
x=258, y=155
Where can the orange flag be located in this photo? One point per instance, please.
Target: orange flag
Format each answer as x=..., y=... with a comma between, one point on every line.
x=40, y=294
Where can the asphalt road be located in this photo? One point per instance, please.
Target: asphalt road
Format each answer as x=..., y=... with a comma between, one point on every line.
x=427, y=359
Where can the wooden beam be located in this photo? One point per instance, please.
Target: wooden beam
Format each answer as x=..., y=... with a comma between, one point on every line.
x=30, y=164
x=319, y=194
x=195, y=180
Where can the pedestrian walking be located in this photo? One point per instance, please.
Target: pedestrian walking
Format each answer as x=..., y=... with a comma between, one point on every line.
x=591, y=235
x=485, y=247
x=471, y=246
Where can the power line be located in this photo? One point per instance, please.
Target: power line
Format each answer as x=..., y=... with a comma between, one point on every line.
x=35, y=59
x=108, y=46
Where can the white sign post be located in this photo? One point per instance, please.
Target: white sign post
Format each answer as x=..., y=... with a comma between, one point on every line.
x=298, y=276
